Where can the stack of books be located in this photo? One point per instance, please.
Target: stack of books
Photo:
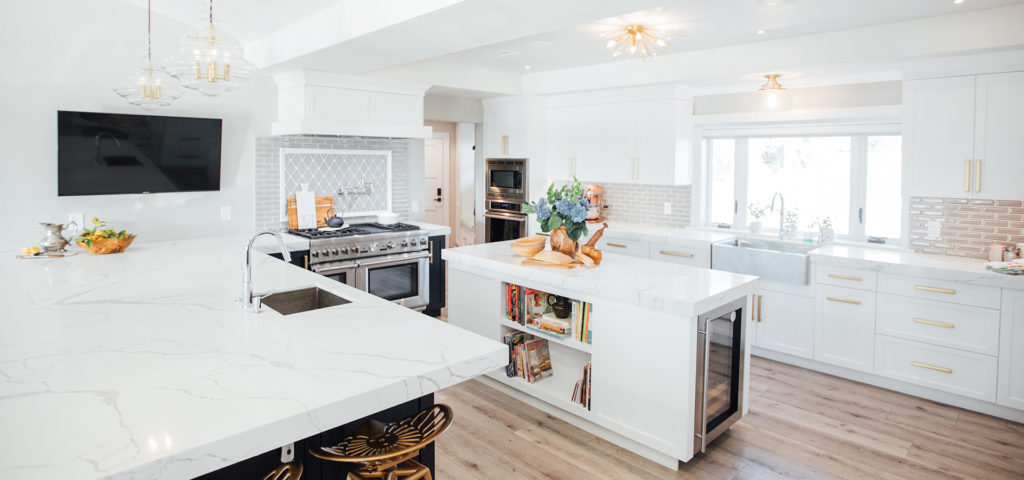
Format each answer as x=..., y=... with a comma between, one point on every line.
x=1015, y=267
x=581, y=321
x=581, y=393
x=529, y=357
x=513, y=310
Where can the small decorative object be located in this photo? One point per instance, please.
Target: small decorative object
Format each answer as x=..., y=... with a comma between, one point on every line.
x=995, y=252
x=589, y=250
x=53, y=240
x=529, y=246
x=638, y=40
x=792, y=217
x=563, y=212
x=102, y=239
x=334, y=221
x=560, y=306
x=756, y=212
x=594, y=196
x=827, y=233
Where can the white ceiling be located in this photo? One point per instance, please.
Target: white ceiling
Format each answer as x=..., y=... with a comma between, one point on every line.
x=247, y=20
x=705, y=24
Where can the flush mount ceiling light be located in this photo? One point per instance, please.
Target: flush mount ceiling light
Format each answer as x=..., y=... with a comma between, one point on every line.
x=637, y=40
x=148, y=85
x=210, y=61
x=773, y=90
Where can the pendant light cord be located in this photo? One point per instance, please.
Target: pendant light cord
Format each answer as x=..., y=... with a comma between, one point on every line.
x=149, y=30
x=211, y=12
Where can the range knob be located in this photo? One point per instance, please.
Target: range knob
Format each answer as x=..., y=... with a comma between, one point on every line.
x=344, y=250
x=374, y=247
x=314, y=254
x=334, y=251
x=405, y=243
x=390, y=245
x=423, y=241
x=324, y=253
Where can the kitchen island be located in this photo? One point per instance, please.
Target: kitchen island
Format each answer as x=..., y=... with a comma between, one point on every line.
x=144, y=364
x=644, y=358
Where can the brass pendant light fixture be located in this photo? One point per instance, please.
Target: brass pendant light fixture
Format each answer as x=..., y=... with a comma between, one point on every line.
x=210, y=61
x=148, y=85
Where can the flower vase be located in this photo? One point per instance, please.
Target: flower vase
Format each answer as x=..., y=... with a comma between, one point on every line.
x=755, y=228
x=560, y=242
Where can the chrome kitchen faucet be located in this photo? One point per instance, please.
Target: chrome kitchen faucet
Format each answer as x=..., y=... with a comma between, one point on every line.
x=250, y=301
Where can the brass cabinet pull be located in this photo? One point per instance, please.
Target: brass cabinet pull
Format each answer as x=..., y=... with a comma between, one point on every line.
x=977, y=176
x=845, y=277
x=676, y=254
x=844, y=300
x=431, y=253
x=305, y=262
x=759, y=297
x=967, y=175
x=933, y=322
x=932, y=367
x=504, y=144
x=616, y=245
x=935, y=289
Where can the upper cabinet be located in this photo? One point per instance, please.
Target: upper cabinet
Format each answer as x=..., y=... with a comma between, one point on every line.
x=513, y=127
x=961, y=136
x=622, y=136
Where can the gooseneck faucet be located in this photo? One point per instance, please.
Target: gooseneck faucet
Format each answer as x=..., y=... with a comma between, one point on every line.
x=821, y=231
x=782, y=214
x=250, y=301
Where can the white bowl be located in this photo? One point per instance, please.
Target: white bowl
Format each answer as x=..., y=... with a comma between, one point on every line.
x=387, y=218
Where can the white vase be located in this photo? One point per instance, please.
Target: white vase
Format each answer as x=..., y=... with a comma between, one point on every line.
x=755, y=227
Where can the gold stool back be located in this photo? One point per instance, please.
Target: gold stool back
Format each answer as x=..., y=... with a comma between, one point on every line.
x=387, y=450
x=285, y=471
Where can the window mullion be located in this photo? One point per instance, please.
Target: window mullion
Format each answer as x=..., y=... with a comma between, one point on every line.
x=858, y=187
x=740, y=191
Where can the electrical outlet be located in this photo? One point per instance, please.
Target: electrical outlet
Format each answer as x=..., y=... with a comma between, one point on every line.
x=667, y=210
x=79, y=220
x=415, y=206
x=225, y=213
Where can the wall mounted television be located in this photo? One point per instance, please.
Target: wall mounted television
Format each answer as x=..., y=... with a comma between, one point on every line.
x=107, y=153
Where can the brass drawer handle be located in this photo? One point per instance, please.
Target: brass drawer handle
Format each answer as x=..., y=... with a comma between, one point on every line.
x=845, y=277
x=676, y=254
x=431, y=253
x=932, y=367
x=844, y=300
x=977, y=176
x=967, y=175
x=616, y=245
x=933, y=322
x=759, y=297
x=935, y=289
x=305, y=262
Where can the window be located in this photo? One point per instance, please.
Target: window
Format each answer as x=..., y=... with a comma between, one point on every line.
x=851, y=180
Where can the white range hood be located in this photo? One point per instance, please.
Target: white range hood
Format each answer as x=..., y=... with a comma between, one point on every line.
x=320, y=103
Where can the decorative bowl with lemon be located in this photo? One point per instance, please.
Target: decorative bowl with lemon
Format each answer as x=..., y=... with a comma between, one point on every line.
x=102, y=239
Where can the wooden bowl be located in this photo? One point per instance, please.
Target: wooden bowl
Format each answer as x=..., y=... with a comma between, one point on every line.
x=530, y=240
x=103, y=246
x=527, y=250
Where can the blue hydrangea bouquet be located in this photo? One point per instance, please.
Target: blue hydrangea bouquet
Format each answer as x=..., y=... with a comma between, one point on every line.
x=563, y=210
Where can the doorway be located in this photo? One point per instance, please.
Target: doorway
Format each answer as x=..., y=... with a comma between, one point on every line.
x=437, y=159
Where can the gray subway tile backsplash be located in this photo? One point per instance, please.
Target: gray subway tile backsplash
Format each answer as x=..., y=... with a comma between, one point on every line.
x=966, y=226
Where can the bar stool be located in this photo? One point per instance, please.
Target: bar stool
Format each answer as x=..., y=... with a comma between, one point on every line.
x=285, y=471
x=386, y=451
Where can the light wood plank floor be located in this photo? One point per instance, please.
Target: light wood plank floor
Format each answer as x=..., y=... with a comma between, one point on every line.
x=801, y=424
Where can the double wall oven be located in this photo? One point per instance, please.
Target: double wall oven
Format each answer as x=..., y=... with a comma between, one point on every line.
x=389, y=261
x=507, y=191
x=721, y=345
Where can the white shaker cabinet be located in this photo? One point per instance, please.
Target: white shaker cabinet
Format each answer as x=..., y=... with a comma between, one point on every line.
x=784, y=323
x=511, y=127
x=845, y=332
x=576, y=143
x=1011, y=351
x=961, y=136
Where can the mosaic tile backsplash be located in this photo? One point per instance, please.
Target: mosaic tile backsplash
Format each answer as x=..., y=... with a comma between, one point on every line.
x=966, y=227
x=327, y=163
x=645, y=204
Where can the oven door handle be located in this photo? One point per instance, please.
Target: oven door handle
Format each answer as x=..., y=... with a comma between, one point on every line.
x=400, y=258
x=510, y=216
x=331, y=268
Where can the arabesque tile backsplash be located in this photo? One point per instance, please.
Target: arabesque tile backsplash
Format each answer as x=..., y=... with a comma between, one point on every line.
x=966, y=226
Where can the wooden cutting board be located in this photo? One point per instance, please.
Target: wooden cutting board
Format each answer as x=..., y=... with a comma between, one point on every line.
x=529, y=262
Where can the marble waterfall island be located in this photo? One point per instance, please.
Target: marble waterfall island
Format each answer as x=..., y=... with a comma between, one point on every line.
x=644, y=350
x=143, y=365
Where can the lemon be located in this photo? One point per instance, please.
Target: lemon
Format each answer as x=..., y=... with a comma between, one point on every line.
x=36, y=250
x=26, y=250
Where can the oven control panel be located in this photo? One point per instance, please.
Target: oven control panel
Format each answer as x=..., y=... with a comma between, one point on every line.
x=325, y=250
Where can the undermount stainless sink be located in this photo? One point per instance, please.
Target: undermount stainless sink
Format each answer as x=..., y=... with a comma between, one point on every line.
x=775, y=260
x=302, y=300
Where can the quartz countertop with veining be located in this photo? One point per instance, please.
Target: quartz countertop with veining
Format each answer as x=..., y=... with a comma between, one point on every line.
x=143, y=365
x=658, y=285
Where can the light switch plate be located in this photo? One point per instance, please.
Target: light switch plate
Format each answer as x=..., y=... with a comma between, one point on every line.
x=934, y=229
x=225, y=213
x=667, y=210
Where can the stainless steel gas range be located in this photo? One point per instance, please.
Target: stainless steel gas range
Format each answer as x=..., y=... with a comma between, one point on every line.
x=389, y=261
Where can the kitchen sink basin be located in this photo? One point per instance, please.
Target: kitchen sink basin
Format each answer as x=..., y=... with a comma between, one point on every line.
x=775, y=260
x=302, y=300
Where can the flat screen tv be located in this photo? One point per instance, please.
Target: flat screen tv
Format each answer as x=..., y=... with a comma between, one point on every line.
x=106, y=153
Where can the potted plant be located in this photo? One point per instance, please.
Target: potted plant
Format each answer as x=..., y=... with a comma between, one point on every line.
x=827, y=233
x=563, y=212
x=792, y=217
x=756, y=212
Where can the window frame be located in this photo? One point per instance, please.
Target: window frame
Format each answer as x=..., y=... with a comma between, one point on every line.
x=858, y=134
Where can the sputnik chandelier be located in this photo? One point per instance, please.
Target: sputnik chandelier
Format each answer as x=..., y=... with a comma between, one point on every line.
x=637, y=40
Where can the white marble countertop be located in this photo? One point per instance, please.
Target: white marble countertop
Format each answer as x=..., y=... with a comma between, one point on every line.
x=142, y=364
x=295, y=243
x=664, y=286
x=907, y=262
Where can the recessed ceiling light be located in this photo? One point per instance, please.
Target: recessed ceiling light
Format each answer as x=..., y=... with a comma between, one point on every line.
x=527, y=67
x=760, y=32
x=501, y=53
x=958, y=2
x=539, y=45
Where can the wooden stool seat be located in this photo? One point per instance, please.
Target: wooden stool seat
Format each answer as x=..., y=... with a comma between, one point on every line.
x=285, y=471
x=387, y=450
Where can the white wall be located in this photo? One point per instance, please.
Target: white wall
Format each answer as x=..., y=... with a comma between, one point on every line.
x=61, y=55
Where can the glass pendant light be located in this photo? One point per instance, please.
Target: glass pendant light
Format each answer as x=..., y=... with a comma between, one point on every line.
x=210, y=61
x=148, y=85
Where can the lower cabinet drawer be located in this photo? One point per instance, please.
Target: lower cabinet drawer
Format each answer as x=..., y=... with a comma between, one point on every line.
x=846, y=277
x=637, y=248
x=950, y=370
x=943, y=291
x=692, y=255
x=962, y=327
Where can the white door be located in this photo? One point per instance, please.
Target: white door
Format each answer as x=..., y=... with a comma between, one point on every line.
x=1011, y=351
x=845, y=332
x=435, y=188
x=785, y=323
x=620, y=138
x=658, y=142
x=589, y=143
x=998, y=166
x=938, y=132
x=560, y=148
